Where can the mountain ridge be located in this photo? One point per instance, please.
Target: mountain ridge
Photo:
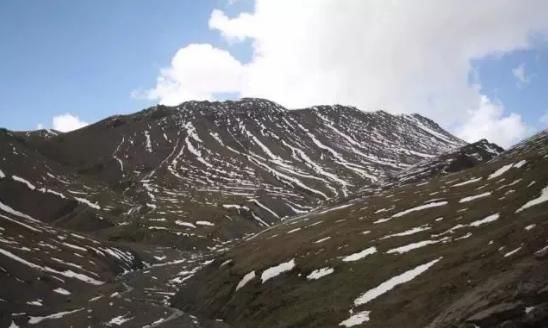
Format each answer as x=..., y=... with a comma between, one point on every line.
x=251, y=160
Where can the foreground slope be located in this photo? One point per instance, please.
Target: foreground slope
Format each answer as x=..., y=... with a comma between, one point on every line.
x=467, y=249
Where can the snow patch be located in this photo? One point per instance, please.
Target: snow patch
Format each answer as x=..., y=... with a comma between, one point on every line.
x=419, y=208
x=26, y=182
x=61, y=291
x=247, y=278
x=277, y=270
x=119, y=320
x=11, y=211
x=393, y=282
x=506, y=168
x=322, y=240
x=204, y=223
x=185, y=224
x=59, y=315
x=471, y=198
x=464, y=183
x=148, y=142
x=530, y=227
x=360, y=255
x=412, y=246
x=88, y=203
x=540, y=199
x=512, y=252
x=490, y=218
x=411, y=231
x=356, y=319
x=320, y=273
x=37, y=302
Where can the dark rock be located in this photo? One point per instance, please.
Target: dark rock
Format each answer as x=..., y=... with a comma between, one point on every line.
x=497, y=314
x=536, y=315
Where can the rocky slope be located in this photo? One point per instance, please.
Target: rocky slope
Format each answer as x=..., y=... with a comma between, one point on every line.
x=468, y=249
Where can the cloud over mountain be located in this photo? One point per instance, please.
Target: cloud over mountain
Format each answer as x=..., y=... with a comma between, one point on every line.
x=399, y=56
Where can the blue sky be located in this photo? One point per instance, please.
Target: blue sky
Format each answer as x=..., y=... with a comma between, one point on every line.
x=94, y=59
x=530, y=98
x=86, y=57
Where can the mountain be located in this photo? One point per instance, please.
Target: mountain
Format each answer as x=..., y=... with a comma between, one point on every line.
x=246, y=214
x=210, y=171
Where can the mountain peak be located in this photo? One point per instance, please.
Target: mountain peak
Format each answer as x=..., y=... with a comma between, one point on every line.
x=242, y=104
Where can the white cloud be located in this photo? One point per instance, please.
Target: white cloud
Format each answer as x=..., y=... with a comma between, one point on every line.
x=67, y=122
x=487, y=121
x=39, y=126
x=401, y=56
x=233, y=29
x=197, y=72
x=520, y=74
